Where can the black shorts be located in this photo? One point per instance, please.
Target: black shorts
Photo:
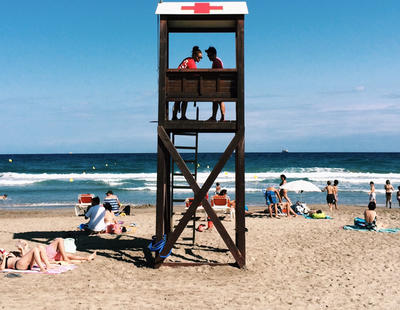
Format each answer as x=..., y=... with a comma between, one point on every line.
x=330, y=198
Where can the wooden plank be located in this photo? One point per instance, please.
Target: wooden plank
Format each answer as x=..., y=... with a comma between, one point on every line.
x=240, y=197
x=199, y=195
x=160, y=205
x=168, y=203
x=240, y=168
x=240, y=77
x=163, y=64
x=197, y=99
x=201, y=126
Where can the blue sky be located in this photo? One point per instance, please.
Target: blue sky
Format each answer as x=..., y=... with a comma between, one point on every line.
x=81, y=76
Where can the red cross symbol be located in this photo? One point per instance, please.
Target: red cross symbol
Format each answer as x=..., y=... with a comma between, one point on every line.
x=202, y=8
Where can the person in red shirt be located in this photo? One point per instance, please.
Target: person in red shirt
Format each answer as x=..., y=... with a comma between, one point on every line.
x=216, y=64
x=187, y=63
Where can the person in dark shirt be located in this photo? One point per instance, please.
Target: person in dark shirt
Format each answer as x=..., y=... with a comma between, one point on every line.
x=216, y=64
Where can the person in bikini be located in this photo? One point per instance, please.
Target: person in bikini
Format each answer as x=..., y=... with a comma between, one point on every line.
x=33, y=257
x=330, y=194
x=283, y=194
x=388, y=190
x=55, y=252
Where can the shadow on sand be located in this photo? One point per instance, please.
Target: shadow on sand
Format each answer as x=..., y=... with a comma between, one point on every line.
x=125, y=247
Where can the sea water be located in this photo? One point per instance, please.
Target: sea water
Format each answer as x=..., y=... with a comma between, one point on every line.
x=55, y=180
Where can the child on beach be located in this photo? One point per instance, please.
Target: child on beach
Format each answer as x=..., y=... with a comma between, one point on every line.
x=388, y=190
x=336, y=190
x=372, y=194
x=330, y=194
x=217, y=188
x=370, y=216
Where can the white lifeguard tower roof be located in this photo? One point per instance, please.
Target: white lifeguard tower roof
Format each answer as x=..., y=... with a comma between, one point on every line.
x=202, y=8
x=202, y=16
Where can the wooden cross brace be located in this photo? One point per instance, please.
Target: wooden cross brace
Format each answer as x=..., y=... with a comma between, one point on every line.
x=199, y=194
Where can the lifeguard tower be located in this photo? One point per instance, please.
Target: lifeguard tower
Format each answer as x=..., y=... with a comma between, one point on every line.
x=201, y=85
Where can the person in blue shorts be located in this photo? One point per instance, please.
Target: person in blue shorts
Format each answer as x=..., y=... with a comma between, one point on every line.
x=271, y=199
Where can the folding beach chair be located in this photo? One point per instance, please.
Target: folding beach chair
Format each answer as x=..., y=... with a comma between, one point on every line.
x=84, y=201
x=222, y=203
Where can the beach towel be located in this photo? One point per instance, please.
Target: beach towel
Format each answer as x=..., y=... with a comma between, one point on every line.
x=359, y=228
x=312, y=218
x=56, y=269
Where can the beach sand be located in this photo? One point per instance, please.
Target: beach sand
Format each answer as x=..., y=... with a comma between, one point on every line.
x=291, y=264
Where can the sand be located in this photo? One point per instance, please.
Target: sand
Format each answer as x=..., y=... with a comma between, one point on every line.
x=291, y=264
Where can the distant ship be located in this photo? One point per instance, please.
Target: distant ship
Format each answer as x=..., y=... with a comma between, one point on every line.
x=285, y=151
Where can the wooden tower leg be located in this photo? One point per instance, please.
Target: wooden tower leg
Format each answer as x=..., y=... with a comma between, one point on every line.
x=240, y=199
x=161, y=190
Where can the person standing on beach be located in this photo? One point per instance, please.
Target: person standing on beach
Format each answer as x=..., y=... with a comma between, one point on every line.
x=398, y=195
x=283, y=191
x=216, y=64
x=330, y=195
x=388, y=190
x=336, y=190
x=372, y=194
x=271, y=196
x=187, y=63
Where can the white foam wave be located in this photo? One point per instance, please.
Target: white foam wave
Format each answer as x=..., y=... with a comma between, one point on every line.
x=19, y=179
x=43, y=204
x=253, y=179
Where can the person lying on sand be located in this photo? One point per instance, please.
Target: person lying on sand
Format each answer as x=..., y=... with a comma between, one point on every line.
x=55, y=251
x=25, y=262
x=289, y=210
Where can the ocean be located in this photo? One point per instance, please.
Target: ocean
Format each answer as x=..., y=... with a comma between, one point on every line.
x=55, y=180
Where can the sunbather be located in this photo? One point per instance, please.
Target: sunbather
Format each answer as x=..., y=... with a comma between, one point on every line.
x=55, y=251
x=289, y=210
x=25, y=262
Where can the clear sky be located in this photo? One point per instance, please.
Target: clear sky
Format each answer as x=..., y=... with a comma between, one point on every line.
x=81, y=76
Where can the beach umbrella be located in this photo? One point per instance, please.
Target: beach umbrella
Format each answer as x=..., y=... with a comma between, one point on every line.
x=300, y=186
